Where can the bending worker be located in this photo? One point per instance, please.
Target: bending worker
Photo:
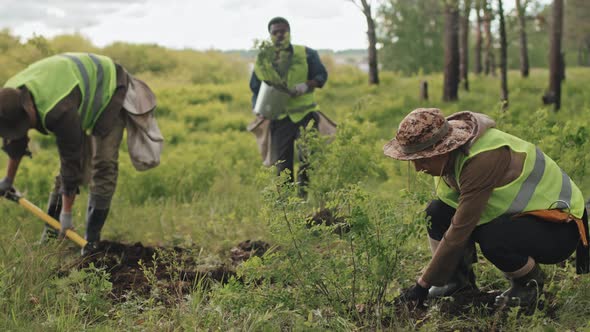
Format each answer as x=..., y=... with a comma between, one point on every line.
x=86, y=101
x=494, y=189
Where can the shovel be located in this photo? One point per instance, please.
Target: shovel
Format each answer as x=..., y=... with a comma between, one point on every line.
x=16, y=197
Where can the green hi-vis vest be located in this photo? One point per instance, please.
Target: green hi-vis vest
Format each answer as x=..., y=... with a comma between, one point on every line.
x=542, y=184
x=297, y=107
x=53, y=78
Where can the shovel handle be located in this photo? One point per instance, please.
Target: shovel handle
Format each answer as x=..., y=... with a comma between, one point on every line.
x=70, y=234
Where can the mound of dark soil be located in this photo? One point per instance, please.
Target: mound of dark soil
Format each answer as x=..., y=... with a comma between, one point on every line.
x=247, y=249
x=327, y=217
x=160, y=271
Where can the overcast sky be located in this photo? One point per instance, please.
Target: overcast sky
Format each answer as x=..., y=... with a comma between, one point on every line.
x=197, y=24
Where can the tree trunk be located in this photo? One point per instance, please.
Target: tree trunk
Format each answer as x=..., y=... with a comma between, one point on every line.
x=524, y=52
x=584, y=52
x=556, y=70
x=464, y=44
x=489, y=66
x=478, y=39
x=503, y=56
x=373, y=64
x=424, y=90
x=451, y=74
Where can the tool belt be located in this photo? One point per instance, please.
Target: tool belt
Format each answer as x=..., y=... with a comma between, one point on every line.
x=558, y=216
x=562, y=217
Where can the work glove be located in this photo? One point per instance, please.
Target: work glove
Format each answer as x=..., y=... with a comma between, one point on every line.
x=300, y=89
x=415, y=294
x=66, y=222
x=5, y=186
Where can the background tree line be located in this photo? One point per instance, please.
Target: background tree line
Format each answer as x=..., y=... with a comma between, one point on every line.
x=411, y=34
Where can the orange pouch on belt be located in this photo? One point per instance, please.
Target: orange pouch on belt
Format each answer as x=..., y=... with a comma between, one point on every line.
x=558, y=216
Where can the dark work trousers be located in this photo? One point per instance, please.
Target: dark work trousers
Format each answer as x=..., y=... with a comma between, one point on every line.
x=283, y=135
x=508, y=242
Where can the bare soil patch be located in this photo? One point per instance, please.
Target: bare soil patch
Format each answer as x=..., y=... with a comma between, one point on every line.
x=167, y=272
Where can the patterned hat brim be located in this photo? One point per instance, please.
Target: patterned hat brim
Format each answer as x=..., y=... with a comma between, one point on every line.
x=460, y=132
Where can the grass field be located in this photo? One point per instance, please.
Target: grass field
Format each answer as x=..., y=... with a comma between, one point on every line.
x=211, y=192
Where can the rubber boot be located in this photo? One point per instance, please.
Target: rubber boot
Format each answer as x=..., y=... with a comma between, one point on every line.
x=524, y=291
x=95, y=220
x=463, y=278
x=53, y=209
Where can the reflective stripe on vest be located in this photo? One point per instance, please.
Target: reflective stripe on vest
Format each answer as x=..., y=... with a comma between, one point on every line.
x=98, y=91
x=536, y=188
x=85, y=83
x=528, y=187
x=565, y=195
x=99, y=86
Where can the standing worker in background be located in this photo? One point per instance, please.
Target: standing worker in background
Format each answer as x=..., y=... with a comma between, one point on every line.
x=86, y=101
x=494, y=189
x=302, y=71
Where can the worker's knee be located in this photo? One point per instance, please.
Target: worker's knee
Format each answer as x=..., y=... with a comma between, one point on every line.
x=439, y=217
x=99, y=201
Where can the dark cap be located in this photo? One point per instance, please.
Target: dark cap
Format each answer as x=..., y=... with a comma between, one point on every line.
x=278, y=20
x=14, y=121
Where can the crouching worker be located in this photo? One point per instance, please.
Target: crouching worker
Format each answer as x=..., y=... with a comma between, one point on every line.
x=494, y=189
x=86, y=101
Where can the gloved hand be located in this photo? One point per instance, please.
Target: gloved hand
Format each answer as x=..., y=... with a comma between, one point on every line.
x=300, y=89
x=416, y=294
x=66, y=222
x=5, y=185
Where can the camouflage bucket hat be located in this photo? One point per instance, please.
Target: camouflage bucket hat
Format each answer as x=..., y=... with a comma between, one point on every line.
x=426, y=133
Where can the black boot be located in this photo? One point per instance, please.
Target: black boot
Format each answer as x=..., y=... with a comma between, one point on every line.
x=524, y=291
x=462, y=280
x=94, y=222
x=53, y=210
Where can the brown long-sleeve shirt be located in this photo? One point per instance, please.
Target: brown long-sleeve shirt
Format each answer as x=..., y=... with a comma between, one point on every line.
x=479, y=176
x=64, y=122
